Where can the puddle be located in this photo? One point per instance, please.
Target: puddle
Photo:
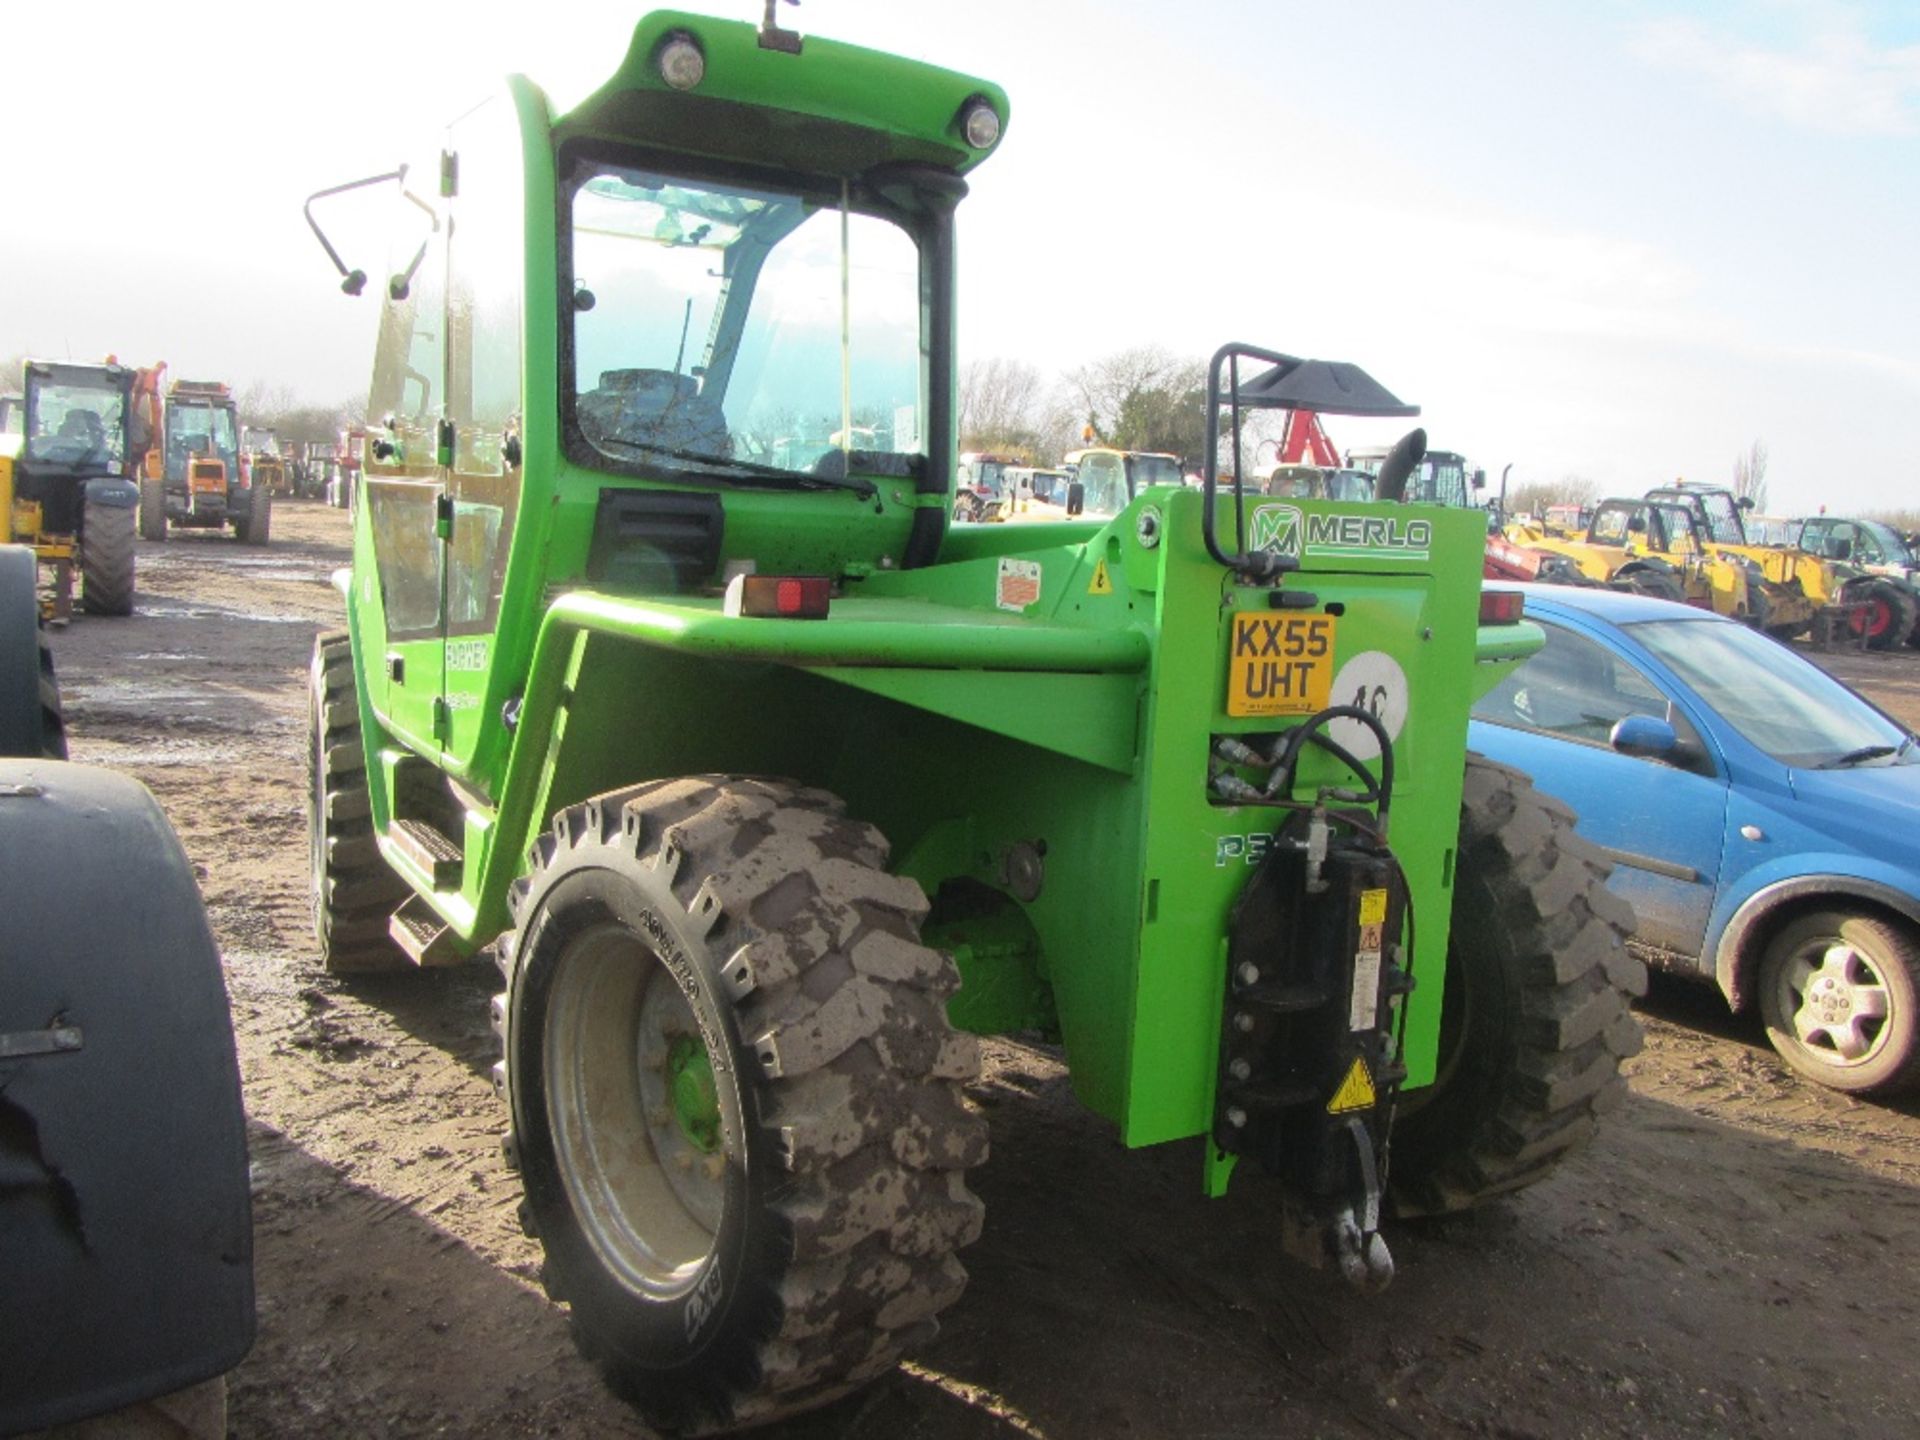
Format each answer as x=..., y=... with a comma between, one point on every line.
x=215, y=612
x=168, y=655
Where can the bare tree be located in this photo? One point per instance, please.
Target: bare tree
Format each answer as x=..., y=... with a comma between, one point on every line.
x=1750, y=475
x=1144, y=398
x=1535, y=496
x=998, y=402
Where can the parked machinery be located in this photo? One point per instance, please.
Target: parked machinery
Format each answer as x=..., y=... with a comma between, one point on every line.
x=634, y=692
x=64, y=486
x=201, y=481
x=1646, y=546
x=1884, y=591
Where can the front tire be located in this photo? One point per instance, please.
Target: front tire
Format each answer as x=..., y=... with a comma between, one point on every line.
x=354, y=890
x=1891, y=611
x=1840, y=998
x=106, y=559
x=736, y=1097
x=1535, y=1020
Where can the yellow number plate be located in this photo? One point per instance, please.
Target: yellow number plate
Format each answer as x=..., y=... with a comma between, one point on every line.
x=1279, y=663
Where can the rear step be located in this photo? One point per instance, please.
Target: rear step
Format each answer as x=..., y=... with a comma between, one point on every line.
x=416, y=927
x=430, y=852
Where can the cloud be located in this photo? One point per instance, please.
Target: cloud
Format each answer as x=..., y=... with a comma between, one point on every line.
x=1838, y=82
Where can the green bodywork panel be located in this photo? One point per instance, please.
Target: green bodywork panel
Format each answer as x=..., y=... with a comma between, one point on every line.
x=1028, y=719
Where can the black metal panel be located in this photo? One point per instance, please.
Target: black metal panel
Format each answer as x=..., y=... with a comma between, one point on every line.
x=654, y=541
x=126, y=1236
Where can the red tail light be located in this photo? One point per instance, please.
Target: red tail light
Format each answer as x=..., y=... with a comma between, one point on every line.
x=779, y=597
x=1501, y=607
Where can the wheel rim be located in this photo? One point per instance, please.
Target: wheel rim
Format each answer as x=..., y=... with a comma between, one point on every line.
x=635, y=1111
x=1834, y=1002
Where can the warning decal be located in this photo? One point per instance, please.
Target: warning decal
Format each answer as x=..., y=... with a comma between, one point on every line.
x=1018, y=583
x=1356, y=1092
x=1102, y=582
x=1373, y=907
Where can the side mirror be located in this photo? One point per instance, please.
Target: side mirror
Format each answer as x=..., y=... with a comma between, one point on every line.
x=1745, y=502
x=1645, y=736
x=1636, y=524
x=1479, y=479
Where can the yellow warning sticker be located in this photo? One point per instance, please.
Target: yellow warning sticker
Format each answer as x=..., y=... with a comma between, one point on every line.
x=1102, y=582
x=1356, y=1091
x=1373, y=907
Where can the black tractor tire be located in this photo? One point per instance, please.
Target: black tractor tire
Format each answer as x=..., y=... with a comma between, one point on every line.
x=1535, y=1020
x=106, y=559
x=355, y=891
x=772, y=1222
x=153, y=509
x=259, y=522
x=1660, y=584
x=1891, y=611
x=32, y=721
x=53, y=715
x=1834, y=981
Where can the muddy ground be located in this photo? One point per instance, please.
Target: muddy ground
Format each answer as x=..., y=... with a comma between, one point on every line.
x=1733, y=1258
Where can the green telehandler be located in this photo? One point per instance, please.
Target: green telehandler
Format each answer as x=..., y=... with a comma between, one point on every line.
x=660, y=645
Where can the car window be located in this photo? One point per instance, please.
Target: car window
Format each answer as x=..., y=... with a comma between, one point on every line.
x=1784, y=705
x=1574, y=688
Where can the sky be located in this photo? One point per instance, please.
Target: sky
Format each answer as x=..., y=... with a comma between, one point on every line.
x=1622, y=240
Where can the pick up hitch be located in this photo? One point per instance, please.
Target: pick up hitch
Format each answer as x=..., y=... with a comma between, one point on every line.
x=1309, y=1067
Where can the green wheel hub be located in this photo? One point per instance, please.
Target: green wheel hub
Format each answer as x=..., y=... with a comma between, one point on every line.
x=696, y=1103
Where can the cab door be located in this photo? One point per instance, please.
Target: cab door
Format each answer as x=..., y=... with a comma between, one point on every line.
x=404, y=478
x=487, y=268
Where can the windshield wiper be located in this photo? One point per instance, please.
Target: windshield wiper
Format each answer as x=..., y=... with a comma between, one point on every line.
x=1854, y=757
x=787, y=479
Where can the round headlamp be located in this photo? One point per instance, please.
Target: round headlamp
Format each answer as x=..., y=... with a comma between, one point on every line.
x=682, y=65
x=980, y=124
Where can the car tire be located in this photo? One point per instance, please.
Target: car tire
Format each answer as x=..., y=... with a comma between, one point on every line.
x=778, y=1221
x=1535, y=1021
x=1839, y=995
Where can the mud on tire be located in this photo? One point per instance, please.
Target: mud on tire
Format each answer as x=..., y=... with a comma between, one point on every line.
x=719, y=973
x=1535, y=1022
x=354, y=890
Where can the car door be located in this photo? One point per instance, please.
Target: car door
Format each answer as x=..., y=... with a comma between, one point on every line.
x=1663, y=824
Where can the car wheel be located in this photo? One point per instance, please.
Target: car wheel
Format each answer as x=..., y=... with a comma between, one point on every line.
x=1840, y=997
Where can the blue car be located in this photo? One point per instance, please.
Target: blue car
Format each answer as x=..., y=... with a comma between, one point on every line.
x=1763, y=819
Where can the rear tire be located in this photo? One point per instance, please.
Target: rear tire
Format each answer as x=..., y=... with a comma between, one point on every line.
x=1535, y=1022
x=718, y=972
x=355, y=891
x=153, y=509
x=53, y=715
x=106, y=559
x=259, y=523
x=1840, y=997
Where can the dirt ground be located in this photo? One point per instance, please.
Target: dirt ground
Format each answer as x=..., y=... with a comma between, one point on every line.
x=1725, y=1261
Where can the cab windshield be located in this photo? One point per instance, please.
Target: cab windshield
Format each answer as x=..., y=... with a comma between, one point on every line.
x=205, y=430
x=1891, y=545
x=738, y=331
x=78, y=424
x=1155, y=470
